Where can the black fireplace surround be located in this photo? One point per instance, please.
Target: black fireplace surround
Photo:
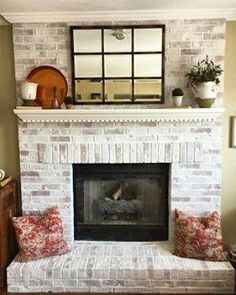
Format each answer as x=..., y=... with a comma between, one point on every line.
x=121, y=202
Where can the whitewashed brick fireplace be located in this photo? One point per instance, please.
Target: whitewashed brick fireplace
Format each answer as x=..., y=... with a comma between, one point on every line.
x=189, y=140
x=51, y=142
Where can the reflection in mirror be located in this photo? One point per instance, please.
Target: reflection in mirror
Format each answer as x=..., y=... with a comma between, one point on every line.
x=117, y=40
x=88, y=90
x=147, y=65
x=148, y=39
x=118, y=65
x=83, y=38
x=147, y=89
x=88, y=66
x=118, y=90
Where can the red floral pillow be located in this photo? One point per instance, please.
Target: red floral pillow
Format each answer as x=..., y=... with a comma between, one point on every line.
x=198, y=237
x=40, y=236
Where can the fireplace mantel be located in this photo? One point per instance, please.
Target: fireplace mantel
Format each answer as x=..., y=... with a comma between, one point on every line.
x=120, y=115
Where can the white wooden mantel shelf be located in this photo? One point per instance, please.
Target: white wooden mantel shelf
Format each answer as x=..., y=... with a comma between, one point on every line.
x=120, y=115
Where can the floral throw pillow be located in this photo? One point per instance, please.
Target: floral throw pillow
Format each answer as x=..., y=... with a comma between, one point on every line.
x=198, y=237
x=40, y=236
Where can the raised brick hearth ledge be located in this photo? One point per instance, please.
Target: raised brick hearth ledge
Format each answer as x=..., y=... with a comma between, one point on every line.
x=113, y=267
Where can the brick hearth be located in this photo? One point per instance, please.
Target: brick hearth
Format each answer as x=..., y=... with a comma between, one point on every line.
x=131, y=267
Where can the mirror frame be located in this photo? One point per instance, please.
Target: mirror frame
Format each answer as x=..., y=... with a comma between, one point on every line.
x=160, y=100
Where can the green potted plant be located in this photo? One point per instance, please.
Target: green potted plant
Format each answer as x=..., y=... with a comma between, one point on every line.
x=177, y=96
x=203, y=79
x=69, y=102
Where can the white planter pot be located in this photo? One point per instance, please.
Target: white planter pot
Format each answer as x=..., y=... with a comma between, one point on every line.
x=177, y=100
x=205, y=90
x=28, y=90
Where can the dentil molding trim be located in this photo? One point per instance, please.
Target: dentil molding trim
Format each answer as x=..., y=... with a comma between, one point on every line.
x=124, y=15
x=120, y=115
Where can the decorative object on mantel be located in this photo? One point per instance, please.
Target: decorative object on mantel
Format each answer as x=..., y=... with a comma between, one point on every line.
x=177, y=96
x=233, y=131
x=55, y=103
x=203, y=78
x=48, y=77
x=123, y=65
x=28, y=92
x=69, y=102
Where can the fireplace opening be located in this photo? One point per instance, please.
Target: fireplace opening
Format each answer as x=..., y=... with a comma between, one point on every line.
x=121, y=202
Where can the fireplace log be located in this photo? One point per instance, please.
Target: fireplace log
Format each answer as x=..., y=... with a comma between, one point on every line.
x=117, y=194
x=123, y=206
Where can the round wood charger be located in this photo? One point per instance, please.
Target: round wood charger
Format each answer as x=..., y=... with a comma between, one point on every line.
x=47, y=78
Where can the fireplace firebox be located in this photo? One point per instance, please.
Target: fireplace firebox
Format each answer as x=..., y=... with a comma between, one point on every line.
x=121, y=202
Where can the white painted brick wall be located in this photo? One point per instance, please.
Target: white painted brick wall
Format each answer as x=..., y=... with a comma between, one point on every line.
x=187, y=41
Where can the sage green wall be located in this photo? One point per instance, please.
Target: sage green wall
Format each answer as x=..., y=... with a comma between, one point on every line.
x=8, y=129
x=229, y=154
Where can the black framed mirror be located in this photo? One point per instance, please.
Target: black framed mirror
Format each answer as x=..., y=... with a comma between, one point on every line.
x=118, y=65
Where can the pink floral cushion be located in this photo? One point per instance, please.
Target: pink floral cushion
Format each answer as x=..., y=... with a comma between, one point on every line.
x=198, y=237
x=40, y=236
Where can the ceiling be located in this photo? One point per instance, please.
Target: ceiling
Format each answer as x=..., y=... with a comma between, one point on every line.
x=114, y=10
x=16, y=6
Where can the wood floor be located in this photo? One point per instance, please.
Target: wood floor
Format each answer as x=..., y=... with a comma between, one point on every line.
x=4, y=292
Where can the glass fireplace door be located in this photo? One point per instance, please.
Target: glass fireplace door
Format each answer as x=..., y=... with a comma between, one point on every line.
x=121, y=201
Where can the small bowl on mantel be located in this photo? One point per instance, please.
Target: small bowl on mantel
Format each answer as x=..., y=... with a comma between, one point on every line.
x=69, y=102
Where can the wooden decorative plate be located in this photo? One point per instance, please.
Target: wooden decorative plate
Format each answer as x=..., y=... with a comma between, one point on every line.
x=47, y=78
